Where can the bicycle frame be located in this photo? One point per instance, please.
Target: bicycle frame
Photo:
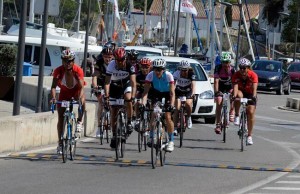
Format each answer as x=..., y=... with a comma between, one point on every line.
x=224, y=115
x=243, y=131
x=182, y=118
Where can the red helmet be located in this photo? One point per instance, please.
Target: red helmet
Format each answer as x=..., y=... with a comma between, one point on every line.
x=145, y=62
x=120, y=54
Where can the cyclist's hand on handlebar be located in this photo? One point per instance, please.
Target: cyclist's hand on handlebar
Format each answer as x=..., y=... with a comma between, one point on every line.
x=253, y=98
x=218, y=93
x=53, y=101
x=171, y=108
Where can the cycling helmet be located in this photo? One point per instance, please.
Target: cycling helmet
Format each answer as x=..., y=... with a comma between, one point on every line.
x=68, y=54
x=133, y=54
x=226, y=57
x=243, y=62
x=110, y=44
x=120, y=54
x=184, y=64
x=107, y=50
x=145, y=62
x=159, y=63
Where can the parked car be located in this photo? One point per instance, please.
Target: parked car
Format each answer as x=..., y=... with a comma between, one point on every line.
x=294, y=72
x=271, y=76
x=207, y=68
x=204, y=105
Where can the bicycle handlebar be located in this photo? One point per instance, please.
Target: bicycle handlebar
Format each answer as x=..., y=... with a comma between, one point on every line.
x=71, y=102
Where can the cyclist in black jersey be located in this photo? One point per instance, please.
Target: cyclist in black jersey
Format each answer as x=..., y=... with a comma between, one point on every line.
x=120, y=81
x=132, y=58
x=99, y=78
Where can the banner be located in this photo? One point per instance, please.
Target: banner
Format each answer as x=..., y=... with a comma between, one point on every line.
x=116, y=8
x=186, y=6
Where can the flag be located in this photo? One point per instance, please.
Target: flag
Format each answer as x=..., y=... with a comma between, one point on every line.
x=186, y=6
x=116, y=8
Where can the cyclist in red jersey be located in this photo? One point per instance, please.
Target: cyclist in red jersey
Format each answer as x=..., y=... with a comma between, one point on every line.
x=69, y=78
x=245, y=83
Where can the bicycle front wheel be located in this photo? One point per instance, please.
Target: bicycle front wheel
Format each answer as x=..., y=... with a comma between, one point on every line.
x=155, y=147
x=224, y=123
x=64, y=140
x=72, y=141
x=182, y=123
x=242, y=129
x=119, y=140
x=107, y=126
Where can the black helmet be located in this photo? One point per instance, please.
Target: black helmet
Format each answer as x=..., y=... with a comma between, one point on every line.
x=110, y=44
x=107, y=50
x=133, y=54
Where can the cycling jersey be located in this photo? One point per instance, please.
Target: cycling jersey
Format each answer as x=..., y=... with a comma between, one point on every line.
x=161, y=84
x=140, y=80
x=120, y=79
x=66, y=93
x=225, y=77
x=100, y=71
x=183, y=85
x=245, y=85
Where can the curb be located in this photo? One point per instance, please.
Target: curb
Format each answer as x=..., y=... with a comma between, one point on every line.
x=288, y=109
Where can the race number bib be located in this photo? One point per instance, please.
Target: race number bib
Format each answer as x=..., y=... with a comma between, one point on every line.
x=182, y=98
x=65, y=104
x=244, y=100
x=119, y=102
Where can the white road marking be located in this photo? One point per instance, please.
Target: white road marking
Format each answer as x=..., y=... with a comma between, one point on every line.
x=282, y=188
x=292, y=165
x=288, y=182
x=293, y=176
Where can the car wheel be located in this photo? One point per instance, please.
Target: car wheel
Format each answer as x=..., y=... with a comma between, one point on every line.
x=210, y=120
x=288, y=91
x=280, y=90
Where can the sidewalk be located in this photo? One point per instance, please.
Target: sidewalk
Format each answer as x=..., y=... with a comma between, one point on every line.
x=6, y=109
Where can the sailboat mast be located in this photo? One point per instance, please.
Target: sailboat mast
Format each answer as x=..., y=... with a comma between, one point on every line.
x=78, y=15
x=144, y=23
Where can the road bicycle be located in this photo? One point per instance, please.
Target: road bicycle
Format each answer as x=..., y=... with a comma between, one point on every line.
x=224, y=115
x=243, y=130
x=121, y=131
x=143, y=121
x=182, y=118
x=158, y=135
x=68, y=137
x=104, y=127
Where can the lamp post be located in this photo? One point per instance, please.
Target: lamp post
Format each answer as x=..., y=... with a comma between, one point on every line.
x=296, y=38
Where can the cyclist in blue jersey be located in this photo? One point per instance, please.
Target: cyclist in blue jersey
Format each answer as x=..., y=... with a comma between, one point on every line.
x=162, y=86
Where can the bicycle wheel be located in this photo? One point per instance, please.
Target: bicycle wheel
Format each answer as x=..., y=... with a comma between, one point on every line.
x=119, y=137
x=155, y=139
x=164, y=141
x=242, y=130
x=182, y=123
x=65, y=142
x=224, y=123
x=72, y=141
x=107, y=126
x=101, y=133
x=140, y=135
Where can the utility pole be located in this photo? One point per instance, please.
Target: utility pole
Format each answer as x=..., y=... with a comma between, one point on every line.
x=144, y=23
x=170, y=21
x=165, y=21
x=78, y=15
x=187, y=37
x=1, y=15
x=86, y=42
x=177, y=29
x=213, y=41
x=20, y=59
x=296, y=38
x=42, y=57
x=221, y=26
x=31, y=11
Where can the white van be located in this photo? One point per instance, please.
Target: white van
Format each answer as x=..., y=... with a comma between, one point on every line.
x=53, y=51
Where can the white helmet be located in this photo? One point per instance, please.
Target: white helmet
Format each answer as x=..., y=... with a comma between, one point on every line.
x=68, y=54
x=243, y=62
x=159, y=63
x=184, y=64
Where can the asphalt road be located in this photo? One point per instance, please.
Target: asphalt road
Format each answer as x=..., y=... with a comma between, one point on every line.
x=204, y=165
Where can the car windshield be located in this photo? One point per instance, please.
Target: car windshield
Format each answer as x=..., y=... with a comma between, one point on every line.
x=207, y=67
x=266, y=66
x=294, y=67
x=199, y=73
x=147, y=54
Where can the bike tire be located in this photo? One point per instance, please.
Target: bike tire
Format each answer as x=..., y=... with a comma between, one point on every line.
x=118, y=148
x=242, y=131
x=140, y=137
x=107, y=128
x=73, y=142
x=101, y=134
x=64, y=141
x=164, y=141
x=155, y=146
x=224, y=123
x=182, y=123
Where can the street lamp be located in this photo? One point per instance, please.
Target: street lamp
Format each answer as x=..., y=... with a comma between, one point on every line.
x=296, y=38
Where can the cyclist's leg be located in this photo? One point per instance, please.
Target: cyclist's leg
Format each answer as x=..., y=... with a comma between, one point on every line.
x=129, y=109
x=99, y=113
x=237, y=105
x=60, y=123
x=231, y=112
x=251, y=108
x=113, y=124
x=188, y=107
x=218, y=100
x=176, y=114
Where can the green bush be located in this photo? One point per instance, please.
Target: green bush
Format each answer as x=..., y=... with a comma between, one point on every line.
x=8, y=59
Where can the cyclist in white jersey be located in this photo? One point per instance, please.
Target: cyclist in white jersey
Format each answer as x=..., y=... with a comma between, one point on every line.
x=120, y=81
x=184, y=86
x=162, y=86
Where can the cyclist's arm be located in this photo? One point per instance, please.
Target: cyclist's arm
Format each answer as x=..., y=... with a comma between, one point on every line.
x=172, y=94
x=81, y=86
x=106, y=86
x=94, y=81
x=193, y=87
x=145, y=93
x=255, y=89
x=53, y=87
x=235, y=89
x=216, y=85
x=133, y=85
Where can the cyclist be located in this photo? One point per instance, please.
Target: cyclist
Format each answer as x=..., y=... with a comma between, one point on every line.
x=120, y=80
x=99, y=78
x=162, y=86
x=184, y=86
x=132, y=57
x=145, y=66
x=69, y=77
x=222, y=84
x=245, y=86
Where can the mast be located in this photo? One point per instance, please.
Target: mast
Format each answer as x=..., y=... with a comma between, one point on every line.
x=144, y=23
x=78, y=15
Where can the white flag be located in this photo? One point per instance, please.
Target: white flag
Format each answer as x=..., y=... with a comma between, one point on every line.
x=116, y=8
x=186, y=6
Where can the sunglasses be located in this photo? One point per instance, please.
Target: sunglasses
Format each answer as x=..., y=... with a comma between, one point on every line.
x=144, y=67
x=68, y=61
x=158, y=69
x=183, y=69
x=243, y=68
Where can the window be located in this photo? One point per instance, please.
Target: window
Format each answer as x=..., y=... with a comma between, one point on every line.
x=199, y=73
x=37, y=51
